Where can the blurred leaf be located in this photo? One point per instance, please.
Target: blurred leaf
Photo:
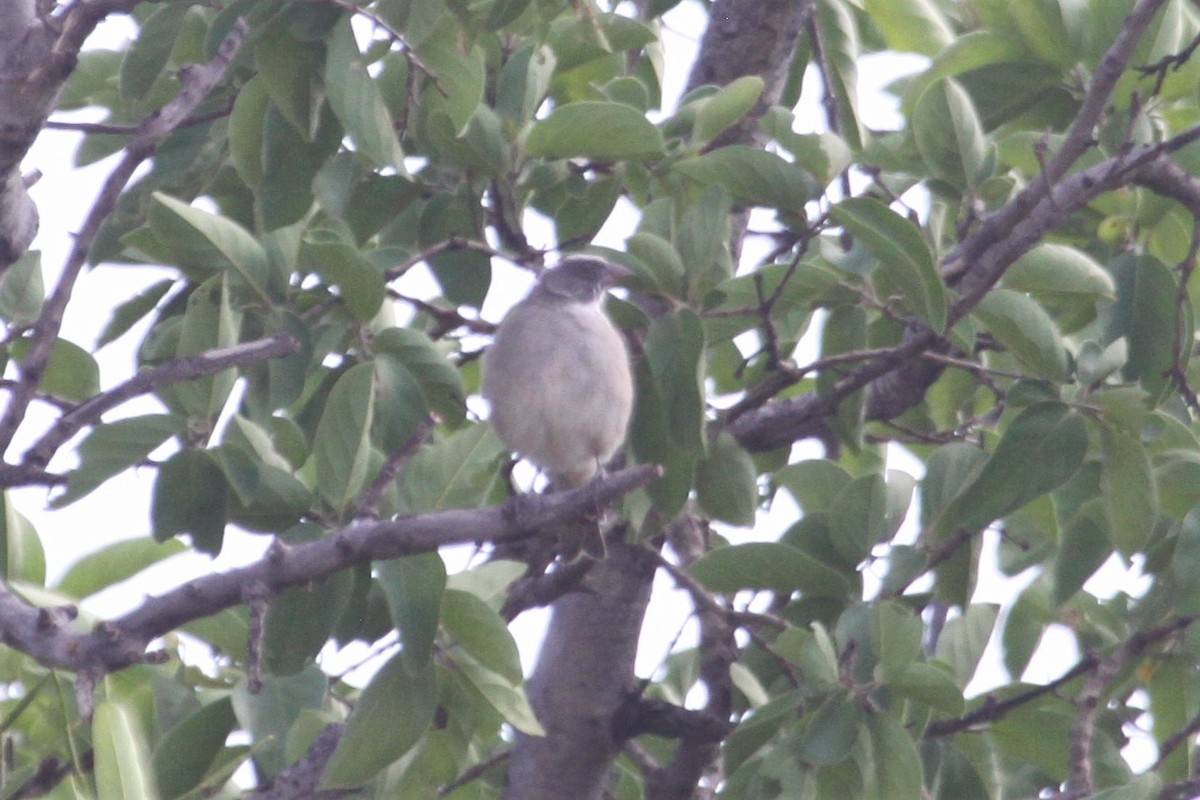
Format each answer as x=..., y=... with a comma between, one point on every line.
x=1041, y=449
x=392, y=714
x=964, y=638
x=950, y=137
x=22, y=291
x=355, y=99
x=441, y=384
x=727, y=106
x=898, y=771
x=751, y=175
x=22, y=557
x=727, y=482
x=931, y=684
x=504, y=696
x=831, y=731
x=132, y=311
x=184, y=755
x=150, y=51
x=342, y=444
x=1026, y=331
x=122, y=761
x=1145, y=314
x=481, y=631
x=112, y=448
x=768, y=565
x=673, y=349
x=841, y=43
x=897, y=637
x=414, y=586
x=71, y=373
x=906, y=270
x=461, y=75
x=1129, y=490
x=911, y=25
x=269, y=714
x=814, y=482
x=456, y=472
x=857, y=516
x=114, y=563
x=189, y=497
x=301, y=620
x=1056, y=268
x=601, y=131
x=359, y=282
x=208, y=241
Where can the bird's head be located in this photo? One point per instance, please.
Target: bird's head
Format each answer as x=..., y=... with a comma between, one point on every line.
x=583, y=279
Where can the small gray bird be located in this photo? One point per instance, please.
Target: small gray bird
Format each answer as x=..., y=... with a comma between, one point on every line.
x=557, y=375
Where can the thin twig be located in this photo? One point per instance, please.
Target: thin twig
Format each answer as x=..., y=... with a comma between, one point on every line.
x=368, y=507
x=187, y=368
x=197, y=83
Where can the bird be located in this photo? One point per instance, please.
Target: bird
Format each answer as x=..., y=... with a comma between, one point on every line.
x=558, y=379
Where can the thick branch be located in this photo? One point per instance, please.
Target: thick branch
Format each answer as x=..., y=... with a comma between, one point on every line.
x=48, y=637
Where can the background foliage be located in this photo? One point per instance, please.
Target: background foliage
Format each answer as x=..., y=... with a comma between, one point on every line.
x=1002, y=286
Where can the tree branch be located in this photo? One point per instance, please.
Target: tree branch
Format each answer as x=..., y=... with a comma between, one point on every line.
x=187, y=368
x=197, y=83
x=48, y=636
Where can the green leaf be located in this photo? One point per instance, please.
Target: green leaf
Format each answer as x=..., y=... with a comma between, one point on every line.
x=21, y=555
x=207, y=241
x=600, y=131
x=184, y=755
x=950, y=138
x=342, y=445
x=674, y=350
x=814, y=483
x=507, y=698
x=906, y=269
x=356, y=101
x=150, y=51
x=481, y=631
x=359, y=282
x=1145, y=313
x=247, y=129
x=898, y=772
x=897, y=638
x=131, y=311
x=269, y=714
x=114, y=563
x=189, y=497
x=457, y=472
x=727, y=482
x=289, y=68
x=842, y=46
x=1086, y=545
x=1024, y=626
x=857, y=516
x=1129, y=490
x=461, y=76
x=751, y=175
x=301, y=620
x=726, y=107
x=1058, y=269
x=122, y=761
x=1041, y=449
x=915, y=26
x=210, y=321
x=414, y=586
x=392, y=714
x=768, y=565
x=440, y=383
x=964, y=638
x=1026, y=331
x=22, y=291
x=930, y=684
x=1185, y=562
x=71, y=373
x=831, y=732
x=114, y=447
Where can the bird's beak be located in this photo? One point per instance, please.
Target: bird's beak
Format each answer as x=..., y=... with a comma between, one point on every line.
x=616, y=275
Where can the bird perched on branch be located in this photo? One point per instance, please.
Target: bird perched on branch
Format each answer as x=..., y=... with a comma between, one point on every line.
x=557, y=376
